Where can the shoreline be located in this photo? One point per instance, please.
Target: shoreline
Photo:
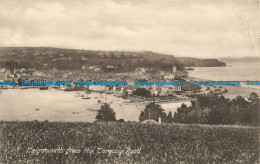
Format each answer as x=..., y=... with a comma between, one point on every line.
x=225, y=90
x=234, y=91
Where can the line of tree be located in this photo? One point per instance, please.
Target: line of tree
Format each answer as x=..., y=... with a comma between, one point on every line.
x=151, y=111
x=213, y=109
x=206, y=109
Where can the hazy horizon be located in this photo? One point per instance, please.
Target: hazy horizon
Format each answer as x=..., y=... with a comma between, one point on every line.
x=201, y=29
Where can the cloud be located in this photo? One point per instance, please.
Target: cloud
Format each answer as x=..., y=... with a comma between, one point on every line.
x=205, y=28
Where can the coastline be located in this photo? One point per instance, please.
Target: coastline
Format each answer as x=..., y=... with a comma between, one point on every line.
x=233, y=91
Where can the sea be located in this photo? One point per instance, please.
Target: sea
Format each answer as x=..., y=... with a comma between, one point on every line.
x=239, y=71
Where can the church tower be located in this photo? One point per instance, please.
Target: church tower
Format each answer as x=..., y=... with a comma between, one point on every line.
x=174, y=69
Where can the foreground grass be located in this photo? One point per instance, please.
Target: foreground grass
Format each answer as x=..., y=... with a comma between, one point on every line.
x=21, y=142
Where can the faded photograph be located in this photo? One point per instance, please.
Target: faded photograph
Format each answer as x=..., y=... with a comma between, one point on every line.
x=129, y=81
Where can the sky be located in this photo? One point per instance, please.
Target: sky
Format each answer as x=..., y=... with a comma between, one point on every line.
x=188, y=28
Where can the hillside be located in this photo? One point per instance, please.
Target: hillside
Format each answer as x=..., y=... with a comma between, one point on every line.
x=34, y=142
x=71, y=59
x=64, y=59
x=195, y=62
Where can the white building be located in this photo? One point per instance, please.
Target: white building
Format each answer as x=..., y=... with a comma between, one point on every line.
x=99, y=88
x=97, y=69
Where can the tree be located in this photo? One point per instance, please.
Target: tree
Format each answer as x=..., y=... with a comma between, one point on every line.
x=152, y=111
x=253, y=113
x=106, y=113
x=238, y=110
x=253, y=110
x=142, y=92
x=11, y=65
x=121, y=120
x=180, y=114
x=253, y=97
x=169, y=118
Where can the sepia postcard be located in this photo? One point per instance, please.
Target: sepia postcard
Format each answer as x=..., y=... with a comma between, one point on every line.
x=129, y=81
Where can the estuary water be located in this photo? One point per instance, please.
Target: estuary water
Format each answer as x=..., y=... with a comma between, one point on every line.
x=234, y=71
x=57, y=105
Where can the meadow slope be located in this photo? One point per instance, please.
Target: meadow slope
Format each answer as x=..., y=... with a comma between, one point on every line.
x=36, y=142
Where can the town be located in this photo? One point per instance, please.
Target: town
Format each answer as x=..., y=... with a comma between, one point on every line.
x=158, y=93
x=23, y=64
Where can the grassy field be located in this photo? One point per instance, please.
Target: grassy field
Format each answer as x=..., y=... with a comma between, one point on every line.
x=56, y=142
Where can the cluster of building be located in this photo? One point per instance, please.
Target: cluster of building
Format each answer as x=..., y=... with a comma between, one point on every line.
x=140, y=73
x=95, y=73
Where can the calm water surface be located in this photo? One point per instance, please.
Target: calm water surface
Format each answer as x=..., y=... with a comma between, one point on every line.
x=240, y=71
x=56, y=105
